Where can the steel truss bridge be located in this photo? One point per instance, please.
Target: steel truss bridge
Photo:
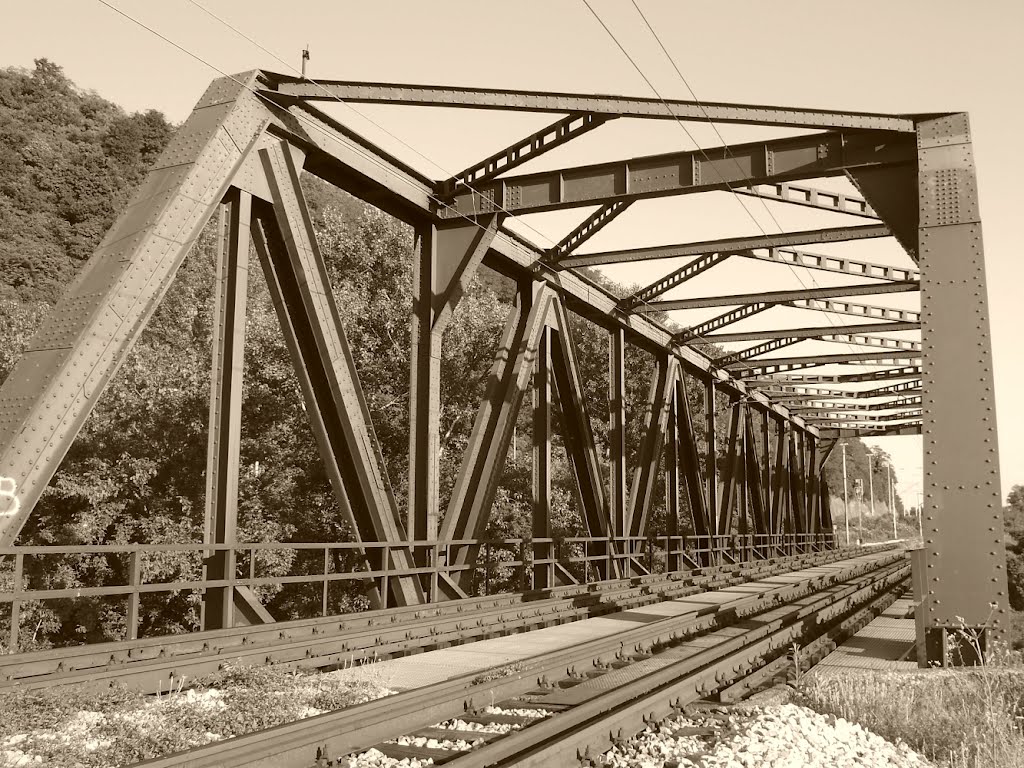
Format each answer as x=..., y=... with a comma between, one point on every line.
x=239, y=157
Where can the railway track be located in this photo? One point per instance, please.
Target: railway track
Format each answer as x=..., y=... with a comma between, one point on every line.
x=153, y=664
x=573, y=703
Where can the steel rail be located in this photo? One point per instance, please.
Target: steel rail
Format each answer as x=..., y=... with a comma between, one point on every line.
x=312, y=643
x=301, y=743
x=586, y=731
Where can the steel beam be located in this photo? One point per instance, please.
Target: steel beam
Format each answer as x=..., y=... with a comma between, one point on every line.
x=818, y=405
x=691, y=462
x=619, y=486
x=522, y=151
x=769, y=366
x=444, y=262
x=223, y=448
x=877, y=358
x=872, y=311
x=811, y=197
x=645, y=477
x=746, y=354
x=711, y=457
x=778, y=297
x=885, y=342
x=806, y=333
x=541, y=101
x=482, y=464
x=590, y=226
x=817, y=155
x=342, y=158
x=698, y=332
x=837, y=431
x=821, y=262
x=731, y=245
x=543, y=574
x=965, y=573
x=577, y=433
x=348, y=443
x=696, y=267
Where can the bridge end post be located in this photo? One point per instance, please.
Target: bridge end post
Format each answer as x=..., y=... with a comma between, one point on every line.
x=965, y=608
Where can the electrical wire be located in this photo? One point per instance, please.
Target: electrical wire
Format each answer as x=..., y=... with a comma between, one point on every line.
x=679, y=122
x=370, y=157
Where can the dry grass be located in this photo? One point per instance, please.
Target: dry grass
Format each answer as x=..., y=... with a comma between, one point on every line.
x=962, y=718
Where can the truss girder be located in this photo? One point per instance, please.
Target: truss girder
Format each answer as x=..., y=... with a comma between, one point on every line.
x=697, y=332
x=622, y=106
x=590, y=226
x=809, y=333
x=736, y=246
x=818, y=405
x=645, y=477
x=780, y=391
x=348, y=445
x=817, y=155
x=752, y=352
x=781, y=365
x=522, y=151
x=819, y=261
x=447, y=258
x=342, y=158
x=777, y=297
x=489, y=442
x=811, y=197
x=906, y=372
x=871, y=311
x=713, y=252
x=691, y=462
x=838, y=431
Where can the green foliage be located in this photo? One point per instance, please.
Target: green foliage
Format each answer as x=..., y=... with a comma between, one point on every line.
x=68, y=162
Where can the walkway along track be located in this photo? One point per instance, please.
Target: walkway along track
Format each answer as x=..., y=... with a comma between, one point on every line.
x=153, y=664
x=605, y=686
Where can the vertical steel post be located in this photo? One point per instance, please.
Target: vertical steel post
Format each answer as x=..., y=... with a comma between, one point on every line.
x=871, y=483
x=619, y=488
x=226, y=403
x=712, y=456
x=543, y=575
x=963, y=523
x=846, y=497
x=672, y=478
x=444, y=261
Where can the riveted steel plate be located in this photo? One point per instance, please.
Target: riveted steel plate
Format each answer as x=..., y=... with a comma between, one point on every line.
x=947, y=190
x=963, y=529
x=64, y=323
x=943, y=131
x=225, y=89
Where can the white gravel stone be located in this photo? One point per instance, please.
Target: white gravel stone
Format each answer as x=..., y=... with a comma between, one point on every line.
x=778, y=736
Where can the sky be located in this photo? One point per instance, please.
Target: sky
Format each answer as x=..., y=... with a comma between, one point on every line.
x=909, y=56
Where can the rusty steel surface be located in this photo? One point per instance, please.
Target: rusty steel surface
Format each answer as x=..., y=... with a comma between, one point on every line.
x=250, y=137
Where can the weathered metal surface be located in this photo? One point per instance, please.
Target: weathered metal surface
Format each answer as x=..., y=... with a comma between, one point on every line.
x=963, y=533
x=777, y=297
x=540, y=101
x=798, y=157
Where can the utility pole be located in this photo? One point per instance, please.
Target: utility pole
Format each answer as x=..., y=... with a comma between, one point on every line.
x=305, y=58
x=846, y=498
x=892, y=499
x=920, y=512
x=871, y=484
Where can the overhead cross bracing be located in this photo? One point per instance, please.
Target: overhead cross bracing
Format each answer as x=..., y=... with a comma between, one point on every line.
x=910, y=176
